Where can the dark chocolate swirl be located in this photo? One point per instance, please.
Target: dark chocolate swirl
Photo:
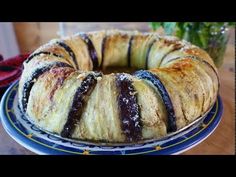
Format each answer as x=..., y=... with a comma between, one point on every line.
x=91, y=49
x=35, y=75
x=129, y=50
x=171, y=118
x=69, y=51
x=39, y=53
x=129, y=110
x=148, y=52
x=79, y=101
x=103, y=50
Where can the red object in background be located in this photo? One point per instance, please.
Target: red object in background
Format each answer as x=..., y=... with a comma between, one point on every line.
x=10, y=70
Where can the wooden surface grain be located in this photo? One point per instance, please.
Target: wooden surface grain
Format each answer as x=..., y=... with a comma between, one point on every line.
x=222, y=141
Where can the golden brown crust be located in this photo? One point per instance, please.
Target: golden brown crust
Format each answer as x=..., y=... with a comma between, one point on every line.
x=116, y=50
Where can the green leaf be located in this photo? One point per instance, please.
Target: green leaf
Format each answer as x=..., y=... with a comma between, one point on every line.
x=207, y=24
x=180, y=29
x=231, y=24
x=203, y=35
x=155, y=25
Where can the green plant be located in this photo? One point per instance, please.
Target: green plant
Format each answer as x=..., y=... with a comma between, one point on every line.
x=211, y=36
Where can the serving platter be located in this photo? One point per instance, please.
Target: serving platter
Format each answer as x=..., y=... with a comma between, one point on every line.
x=39, y=141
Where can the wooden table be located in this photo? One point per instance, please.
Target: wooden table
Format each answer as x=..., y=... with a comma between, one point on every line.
x=222, y=141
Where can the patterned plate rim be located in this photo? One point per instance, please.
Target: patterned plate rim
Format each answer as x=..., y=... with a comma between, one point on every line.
x=36, y=146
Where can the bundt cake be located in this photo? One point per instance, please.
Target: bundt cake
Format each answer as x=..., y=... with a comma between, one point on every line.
x=64, y=88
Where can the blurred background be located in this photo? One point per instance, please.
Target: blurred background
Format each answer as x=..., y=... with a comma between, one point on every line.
x=25, y=37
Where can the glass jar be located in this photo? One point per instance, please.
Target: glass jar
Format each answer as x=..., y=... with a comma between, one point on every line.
x=212, y=39
x=217, y=45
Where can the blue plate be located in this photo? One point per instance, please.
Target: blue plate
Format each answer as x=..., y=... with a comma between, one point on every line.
x=40, y=142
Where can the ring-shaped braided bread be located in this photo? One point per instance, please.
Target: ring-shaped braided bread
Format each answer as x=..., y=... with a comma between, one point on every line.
x=63, y=91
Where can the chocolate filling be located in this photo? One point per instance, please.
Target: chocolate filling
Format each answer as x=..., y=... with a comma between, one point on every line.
x=148, y=52
x=62, y=75
x=176, y=47
x=69, y=51
x=103, y=49
x=79, y=101
x=29, y=84
x=129, y=50
x=42, y=52
x=91, y=50
x=171, y=118
x=129, y=110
